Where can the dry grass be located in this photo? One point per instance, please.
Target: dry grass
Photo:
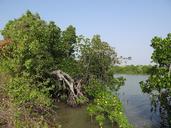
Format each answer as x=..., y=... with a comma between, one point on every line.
x=6, y=107
x=25, y=116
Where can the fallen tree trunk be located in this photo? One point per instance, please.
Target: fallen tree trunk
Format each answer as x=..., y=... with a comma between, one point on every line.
x=74, y=87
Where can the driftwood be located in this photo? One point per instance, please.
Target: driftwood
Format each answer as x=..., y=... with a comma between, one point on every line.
x=73, y=86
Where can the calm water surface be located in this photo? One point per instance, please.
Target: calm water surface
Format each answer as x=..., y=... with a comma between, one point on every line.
x=136, y=104
x=75, y=117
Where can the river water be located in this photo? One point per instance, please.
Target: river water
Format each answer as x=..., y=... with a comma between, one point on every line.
x=136, y=104
x=76, y=118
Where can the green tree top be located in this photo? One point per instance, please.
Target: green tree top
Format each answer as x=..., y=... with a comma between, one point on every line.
x=162, y=50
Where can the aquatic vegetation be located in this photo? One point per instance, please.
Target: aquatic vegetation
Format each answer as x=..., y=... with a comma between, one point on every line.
x=107, y=106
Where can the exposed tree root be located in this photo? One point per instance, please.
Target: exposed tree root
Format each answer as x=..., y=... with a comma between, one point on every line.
x=73, y=86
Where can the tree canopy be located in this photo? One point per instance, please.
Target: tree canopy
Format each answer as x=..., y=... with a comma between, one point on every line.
x=159, y=82
x=46, y=63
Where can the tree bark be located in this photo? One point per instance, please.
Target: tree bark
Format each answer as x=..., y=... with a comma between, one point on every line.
x=74, y=87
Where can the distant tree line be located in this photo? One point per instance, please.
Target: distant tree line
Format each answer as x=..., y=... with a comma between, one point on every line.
x=132, y=69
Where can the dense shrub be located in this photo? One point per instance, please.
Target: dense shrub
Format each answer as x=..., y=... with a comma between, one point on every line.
x=35, y=48
x=105, y=106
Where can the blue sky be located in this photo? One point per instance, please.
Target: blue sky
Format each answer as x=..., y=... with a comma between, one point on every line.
x=127, y=25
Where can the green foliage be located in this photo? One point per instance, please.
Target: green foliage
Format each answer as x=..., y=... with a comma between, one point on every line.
x=22, y=107
x=93, y=88
x=22, y=92
x=162, y=50
x=160, y=77
x=132, y=69
x=97, y=57
x=120, y=118
x=116, y=83
x=69, y=39
x=159, y=82
x=107, y=106
x=81, y=100
x=100, y=119
x=36, y=48
x=70, y=66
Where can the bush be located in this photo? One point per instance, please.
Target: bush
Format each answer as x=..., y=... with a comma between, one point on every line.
x=22, y=92
x=106, y=106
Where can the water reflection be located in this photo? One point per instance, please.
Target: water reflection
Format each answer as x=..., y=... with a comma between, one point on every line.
x=164, y=107
x=137, y=108
x=137, y=104
x=76, y=117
